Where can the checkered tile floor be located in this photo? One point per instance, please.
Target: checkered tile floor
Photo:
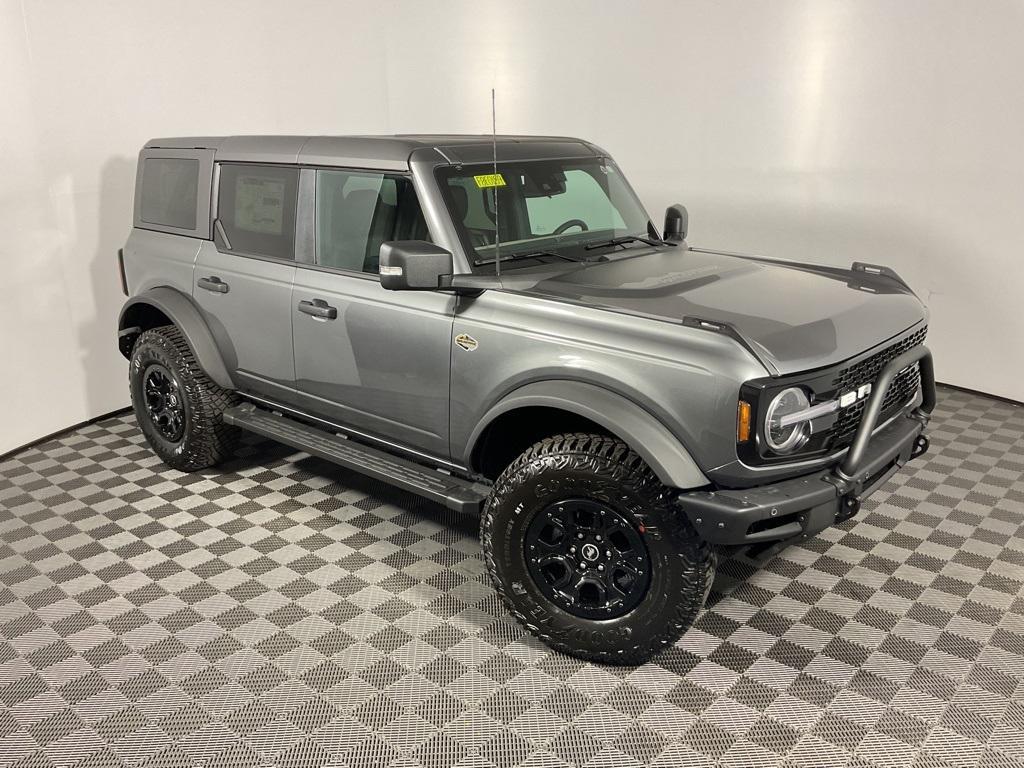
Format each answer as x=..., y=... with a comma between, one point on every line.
x=284, y=612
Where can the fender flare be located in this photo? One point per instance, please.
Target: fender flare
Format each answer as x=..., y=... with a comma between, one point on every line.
x=186, y=316
x=662, y=451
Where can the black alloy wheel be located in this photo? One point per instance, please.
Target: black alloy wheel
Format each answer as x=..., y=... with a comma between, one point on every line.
x=178, y=407
x=164, y=402
x=589, y=551
x=587, y=558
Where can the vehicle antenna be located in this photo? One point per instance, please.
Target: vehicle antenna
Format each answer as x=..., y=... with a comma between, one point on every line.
x=494, y=148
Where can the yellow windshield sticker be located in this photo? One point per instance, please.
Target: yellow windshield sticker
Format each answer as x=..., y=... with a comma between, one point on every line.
x=489, y=180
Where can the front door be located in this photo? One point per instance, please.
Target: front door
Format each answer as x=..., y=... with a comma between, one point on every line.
x=243, y=280
x=366, y=358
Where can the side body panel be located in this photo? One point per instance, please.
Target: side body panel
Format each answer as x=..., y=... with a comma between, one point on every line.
x=688, y=380
x=251, y=322
x=382, y=365
x=153, y=259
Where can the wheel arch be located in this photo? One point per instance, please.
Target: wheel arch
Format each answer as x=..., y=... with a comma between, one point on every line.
x=570, y=406
x=168, y=306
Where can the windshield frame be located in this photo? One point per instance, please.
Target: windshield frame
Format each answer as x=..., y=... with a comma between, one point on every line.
x=570, y=246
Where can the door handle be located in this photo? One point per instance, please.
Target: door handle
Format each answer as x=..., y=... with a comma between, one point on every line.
x=214, y=284
x=318, y=308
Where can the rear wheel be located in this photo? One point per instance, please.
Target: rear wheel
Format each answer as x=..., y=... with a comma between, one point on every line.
x=177, y=406
x=585, y=548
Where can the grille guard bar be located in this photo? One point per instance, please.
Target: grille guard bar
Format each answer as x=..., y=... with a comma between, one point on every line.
x=847, y=470
x=804, y=505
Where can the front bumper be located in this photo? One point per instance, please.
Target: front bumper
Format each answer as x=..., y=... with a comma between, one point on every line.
x=802, y=506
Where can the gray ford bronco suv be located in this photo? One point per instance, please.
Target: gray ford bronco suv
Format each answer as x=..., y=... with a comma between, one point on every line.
x=498, y=326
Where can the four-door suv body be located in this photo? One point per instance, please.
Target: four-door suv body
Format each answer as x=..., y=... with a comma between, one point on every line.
x=498, y=326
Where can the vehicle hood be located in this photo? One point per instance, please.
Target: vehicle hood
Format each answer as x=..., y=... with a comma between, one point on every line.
x=793, y=317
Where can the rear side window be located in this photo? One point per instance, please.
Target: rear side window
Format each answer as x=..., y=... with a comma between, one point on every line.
x=172, y=191
x=170, y=188
x=256, y=208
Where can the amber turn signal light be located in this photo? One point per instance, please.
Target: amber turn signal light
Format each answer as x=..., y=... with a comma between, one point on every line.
x=742, y=422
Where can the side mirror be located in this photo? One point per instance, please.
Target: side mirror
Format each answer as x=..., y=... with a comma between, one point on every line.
x=677, y=222
x=413, y=265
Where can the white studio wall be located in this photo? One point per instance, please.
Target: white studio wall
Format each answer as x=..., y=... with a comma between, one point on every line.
x=869, y=130
x=89, y=83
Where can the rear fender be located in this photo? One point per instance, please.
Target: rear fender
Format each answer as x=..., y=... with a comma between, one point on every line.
x=137, y=316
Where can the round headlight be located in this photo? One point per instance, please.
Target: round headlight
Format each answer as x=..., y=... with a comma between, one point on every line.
x=786, y=439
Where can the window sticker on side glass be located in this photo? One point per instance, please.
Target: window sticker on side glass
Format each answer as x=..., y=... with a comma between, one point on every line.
x=489, y=180
x=259, y=204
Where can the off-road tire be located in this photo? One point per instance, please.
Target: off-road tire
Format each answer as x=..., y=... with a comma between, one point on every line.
x=206, y=440
x=606, y=470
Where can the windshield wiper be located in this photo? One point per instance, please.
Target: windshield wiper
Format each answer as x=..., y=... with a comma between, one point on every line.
x=529, y=255
x=623, y=241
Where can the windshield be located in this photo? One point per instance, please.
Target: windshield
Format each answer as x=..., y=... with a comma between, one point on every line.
x=547, y=210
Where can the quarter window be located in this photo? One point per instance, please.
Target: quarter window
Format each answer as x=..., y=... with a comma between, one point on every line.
x=256, y=208
x=356, y=212
x=170, y=188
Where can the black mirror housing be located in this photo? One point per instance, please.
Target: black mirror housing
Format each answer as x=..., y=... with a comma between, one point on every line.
x=414, y=265
x=677, y=222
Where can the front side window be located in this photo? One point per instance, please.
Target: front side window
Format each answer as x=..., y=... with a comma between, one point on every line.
x=552, y=209
x=256, y=208
x=357, y=212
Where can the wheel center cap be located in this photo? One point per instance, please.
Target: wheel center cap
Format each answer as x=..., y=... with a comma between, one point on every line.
x=590, y=552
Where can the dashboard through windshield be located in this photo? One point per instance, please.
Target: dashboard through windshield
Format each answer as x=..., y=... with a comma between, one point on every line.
x=538, y=211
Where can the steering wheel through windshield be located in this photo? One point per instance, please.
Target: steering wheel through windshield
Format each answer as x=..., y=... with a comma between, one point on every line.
x=561, y=228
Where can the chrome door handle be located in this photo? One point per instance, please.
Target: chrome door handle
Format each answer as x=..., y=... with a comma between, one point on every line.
x=214, y=284
x=318, y=308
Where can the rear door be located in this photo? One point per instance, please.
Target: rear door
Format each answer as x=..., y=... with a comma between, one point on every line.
x=367, y=358
x=243, y=278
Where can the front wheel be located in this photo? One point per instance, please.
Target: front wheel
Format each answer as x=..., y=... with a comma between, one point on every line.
x=587, y=552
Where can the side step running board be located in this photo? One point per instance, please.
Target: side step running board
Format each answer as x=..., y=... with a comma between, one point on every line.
x=453, y=492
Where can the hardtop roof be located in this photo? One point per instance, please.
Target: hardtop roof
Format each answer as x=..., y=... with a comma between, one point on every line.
x=384, y=151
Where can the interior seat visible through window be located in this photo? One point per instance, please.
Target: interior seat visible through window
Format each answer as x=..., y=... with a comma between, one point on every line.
x=474, y=217
x=357, y=212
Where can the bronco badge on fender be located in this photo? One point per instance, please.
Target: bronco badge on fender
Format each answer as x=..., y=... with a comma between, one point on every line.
x=466, y=341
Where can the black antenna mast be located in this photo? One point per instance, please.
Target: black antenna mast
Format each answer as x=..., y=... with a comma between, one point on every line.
x=494, y=147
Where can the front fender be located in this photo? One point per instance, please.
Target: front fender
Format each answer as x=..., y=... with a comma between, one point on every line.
x=180, y=310
x=664, y=454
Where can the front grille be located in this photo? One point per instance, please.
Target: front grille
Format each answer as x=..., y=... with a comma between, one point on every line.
x=903, y=388
x=835, y=431
x=867, y=370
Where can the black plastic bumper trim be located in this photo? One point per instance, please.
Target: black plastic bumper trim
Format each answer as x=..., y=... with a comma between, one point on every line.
x=802, y=505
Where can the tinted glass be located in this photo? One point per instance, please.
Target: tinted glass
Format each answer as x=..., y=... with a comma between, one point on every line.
x=555, y=206
x=356, y=212
x=257, y=209
x=583, y=201
x=170, y=187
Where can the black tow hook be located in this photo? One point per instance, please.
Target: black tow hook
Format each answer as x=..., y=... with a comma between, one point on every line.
x=920, y=446
x=850, y=506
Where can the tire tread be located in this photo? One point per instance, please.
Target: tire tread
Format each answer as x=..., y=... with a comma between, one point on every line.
x=209, y=440
x=618, y=462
